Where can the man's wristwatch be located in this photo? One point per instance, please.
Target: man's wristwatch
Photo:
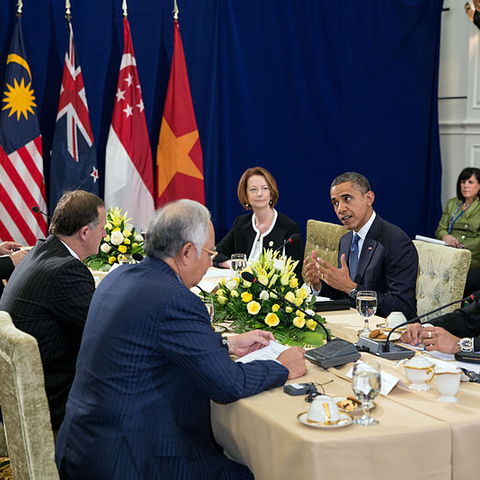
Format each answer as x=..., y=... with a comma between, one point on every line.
x=353, y=294
x=225, y=342
x=466, y=344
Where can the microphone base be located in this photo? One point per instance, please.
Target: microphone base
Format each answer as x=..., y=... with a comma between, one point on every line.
x=396, y=352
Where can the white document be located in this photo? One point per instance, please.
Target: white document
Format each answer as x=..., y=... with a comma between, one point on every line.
x=430, y=240
x=388, y=381
x=270, y=352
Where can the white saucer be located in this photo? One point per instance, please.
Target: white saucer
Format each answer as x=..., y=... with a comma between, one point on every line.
x=344, y=421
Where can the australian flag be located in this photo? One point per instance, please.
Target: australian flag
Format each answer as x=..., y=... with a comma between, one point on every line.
x=74, y=159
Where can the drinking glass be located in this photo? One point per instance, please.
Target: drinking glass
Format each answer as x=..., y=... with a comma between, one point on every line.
x=366, y=384
x=210, y=309
x=366, y=306
x=238, y=261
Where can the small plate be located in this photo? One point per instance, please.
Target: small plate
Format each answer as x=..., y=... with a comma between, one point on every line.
x=356, y=411
x=393, y=337
x=344, y=421
x=387, y=329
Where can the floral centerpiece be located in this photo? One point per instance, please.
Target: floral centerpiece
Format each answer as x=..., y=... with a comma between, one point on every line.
x=251, y=306
x=121, y=242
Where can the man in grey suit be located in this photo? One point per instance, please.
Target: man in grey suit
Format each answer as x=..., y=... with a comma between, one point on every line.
x=150, y=362
x=375, y=255
x=49, y=293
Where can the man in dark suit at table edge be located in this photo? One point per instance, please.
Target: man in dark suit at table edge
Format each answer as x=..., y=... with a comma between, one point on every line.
x=457, y=331
x=10, y=256
x=49, y=293
x=150, y=362
x=375, y=255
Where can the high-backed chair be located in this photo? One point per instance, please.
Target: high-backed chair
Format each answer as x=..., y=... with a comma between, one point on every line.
x=324, y=237
x=442, y=272
x=23, y=400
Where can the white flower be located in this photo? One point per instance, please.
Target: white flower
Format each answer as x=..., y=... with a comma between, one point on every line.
x=231, y=284
x=278, y=264
x=138, y=238
x=116, y=238
x=264, y=295
x=105, y=248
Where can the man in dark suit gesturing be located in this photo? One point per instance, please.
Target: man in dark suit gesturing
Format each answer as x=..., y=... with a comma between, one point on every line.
x=376, y=255
x=49, y=292
x=150, y=362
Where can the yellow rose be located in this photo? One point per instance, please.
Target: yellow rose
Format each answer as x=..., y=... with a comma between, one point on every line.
x=126, y=241
x=298, y=313
x=122, y=249
x=289, y=309
x=275, y=307
x=134, y=244
x=272, y=320
x=298, y=302
x=126, y=233
x=311, y=324
x=234, y=293
x=221, y=300
x=112, y=259
x=253, y=308
x=116, y=230
x=290, y=296
x=247, y=297
x=284, y=280
x=106, y=238
x=108, y=226
x=293, y=282
x=302, y=293
x=299, y=322
x=220, y=293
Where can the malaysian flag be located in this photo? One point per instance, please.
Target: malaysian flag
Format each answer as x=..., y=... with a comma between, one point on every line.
x=128, y=162
x=21, y=162
x=74, y=160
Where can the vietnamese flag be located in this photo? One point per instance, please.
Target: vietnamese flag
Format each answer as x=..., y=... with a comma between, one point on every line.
x=179, y=153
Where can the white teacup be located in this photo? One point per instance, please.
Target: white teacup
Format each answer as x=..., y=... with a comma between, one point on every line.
x=323, y=410
x=420, y=372
x=448, y=383
x=394, y=319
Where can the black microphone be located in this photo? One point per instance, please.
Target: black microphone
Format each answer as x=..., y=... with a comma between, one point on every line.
x=471, y=298
x=294, y=238
x=35, y=209
x=247, y=276
x=138, y=257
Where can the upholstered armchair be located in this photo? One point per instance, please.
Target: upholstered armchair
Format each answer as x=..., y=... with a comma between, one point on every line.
x=26, y=415
x=324, y=237
x=442, y=272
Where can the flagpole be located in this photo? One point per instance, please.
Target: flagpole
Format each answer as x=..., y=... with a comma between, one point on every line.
x=124, y=8
x=19, y=8
x=175, y=10
x=68, y=13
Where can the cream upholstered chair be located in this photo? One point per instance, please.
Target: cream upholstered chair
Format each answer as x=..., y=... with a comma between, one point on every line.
x=23, y=400
x=442, y=272
x=324, y=237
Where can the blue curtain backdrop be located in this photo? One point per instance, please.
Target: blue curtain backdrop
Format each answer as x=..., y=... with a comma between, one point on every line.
x=307, y=89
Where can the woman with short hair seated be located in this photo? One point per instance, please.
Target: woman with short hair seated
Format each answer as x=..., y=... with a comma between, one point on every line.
x=459, y=226
x=264, y=227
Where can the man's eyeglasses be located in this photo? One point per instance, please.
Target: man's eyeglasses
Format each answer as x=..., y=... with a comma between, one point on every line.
x=212, y=253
